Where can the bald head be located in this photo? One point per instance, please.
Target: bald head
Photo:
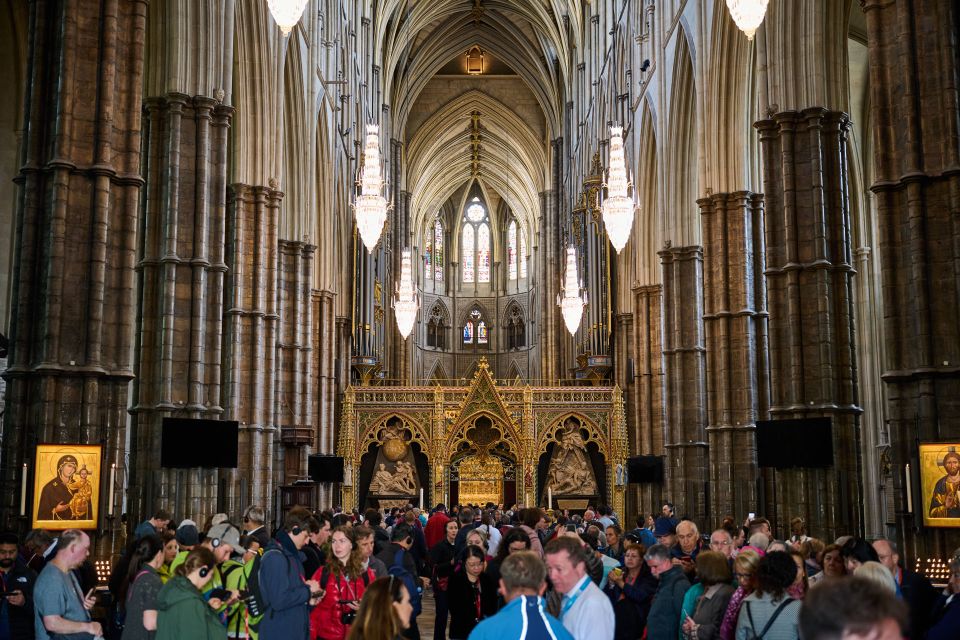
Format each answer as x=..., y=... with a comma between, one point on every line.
x=888, y=554
x=687, y=535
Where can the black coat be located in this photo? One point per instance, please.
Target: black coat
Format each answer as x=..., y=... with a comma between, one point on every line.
x=919, y=595
x=462, y=601
x=20, y=578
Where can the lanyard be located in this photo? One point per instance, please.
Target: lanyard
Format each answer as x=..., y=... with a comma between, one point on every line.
x=573, y=598
x=476, y=592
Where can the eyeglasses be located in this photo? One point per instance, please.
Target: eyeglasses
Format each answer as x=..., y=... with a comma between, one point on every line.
x=724, y=543
x=742, y=575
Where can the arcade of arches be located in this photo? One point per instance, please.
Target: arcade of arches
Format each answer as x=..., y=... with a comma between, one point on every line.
x=177, y=241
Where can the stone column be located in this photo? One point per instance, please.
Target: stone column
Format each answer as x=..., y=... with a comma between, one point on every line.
x=645, y=402
x=809, y=289
x=735, y=321
x=295, y=383
x=72, y=321
x=914, y=105
x=181, y=294
x=685, y=442
x=250, y=334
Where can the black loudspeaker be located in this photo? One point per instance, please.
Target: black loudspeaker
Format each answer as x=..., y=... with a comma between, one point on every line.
x=805, y=443
x=644, y=469
x=187, y=443
x=325, y=468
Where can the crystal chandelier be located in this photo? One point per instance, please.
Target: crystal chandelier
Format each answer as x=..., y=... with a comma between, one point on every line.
x=406, y=303
x=572, y=297
x=286, y=13
x=748, y=14
x=618, y=207
x=370, y=207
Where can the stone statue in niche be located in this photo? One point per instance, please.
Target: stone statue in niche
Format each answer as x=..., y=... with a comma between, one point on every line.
x=395, y=473
x=570, y=471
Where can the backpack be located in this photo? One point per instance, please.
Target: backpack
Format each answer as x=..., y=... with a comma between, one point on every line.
x=752, y=631
x=255, y=602
x=409, y=580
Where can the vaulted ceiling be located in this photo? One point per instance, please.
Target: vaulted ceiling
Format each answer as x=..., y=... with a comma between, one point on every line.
x=534, y=38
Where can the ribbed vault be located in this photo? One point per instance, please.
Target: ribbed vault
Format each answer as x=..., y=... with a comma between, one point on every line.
x=512, y=158
x=415, y=40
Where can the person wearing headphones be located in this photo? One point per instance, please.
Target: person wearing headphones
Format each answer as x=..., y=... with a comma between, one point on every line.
x=182, y=612
x=343, y=580
x=253, y=525
x=287, y=596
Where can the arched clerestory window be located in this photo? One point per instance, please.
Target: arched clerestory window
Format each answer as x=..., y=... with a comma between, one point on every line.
x=433, y=253
x=476, y=331
x=516, y=329
x=516, y=251
x=437, y=328
x=475, y=243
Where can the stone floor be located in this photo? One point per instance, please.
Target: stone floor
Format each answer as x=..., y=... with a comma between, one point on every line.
x=427, y=616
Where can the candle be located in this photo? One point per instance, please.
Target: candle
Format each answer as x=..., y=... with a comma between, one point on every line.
x=23, y=491
x=421, y=498
x=909, y=489
x=549, y=497
x=113, y=478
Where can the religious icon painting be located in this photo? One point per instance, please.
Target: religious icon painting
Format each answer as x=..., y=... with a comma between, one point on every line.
x=66, y=486
x=940, y=484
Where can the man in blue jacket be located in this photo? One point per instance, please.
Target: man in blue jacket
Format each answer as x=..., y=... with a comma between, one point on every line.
x=287, y=595
x=522, y=583
x=663, y=621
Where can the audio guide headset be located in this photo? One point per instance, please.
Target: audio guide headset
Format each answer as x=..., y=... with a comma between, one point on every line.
x=204, y=571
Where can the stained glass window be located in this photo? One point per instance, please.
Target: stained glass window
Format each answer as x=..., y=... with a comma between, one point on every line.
x=467, y=251
x=523, y=254
x=483, y=253
x=427, y=264
x=512, y=250
x=481, y=332
x=438, y=250
x=468, y=332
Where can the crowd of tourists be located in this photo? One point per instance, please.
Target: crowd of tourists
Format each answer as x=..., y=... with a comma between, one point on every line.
x=493, y=574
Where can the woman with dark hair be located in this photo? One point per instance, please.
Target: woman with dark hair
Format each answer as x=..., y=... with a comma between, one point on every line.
x=703, y=622
x=137, y=596
x=631, y=590
x=831, y=561
x=443, y=559
x=182, y=613
x=384, y=611
x=770, y=612
x=614, y=547
x=855, y=552
x=472, y=594
x=170, y=550
x=343, y=580
x=799, y=587
x=529, y=519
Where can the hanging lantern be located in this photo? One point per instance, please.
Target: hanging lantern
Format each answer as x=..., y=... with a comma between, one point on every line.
x=406, y=303
x=618, y=207
x=747, y=14
x=370, y=207
x=286, y=13
x=572, y=297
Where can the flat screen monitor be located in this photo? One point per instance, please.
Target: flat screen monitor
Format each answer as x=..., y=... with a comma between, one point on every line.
x=800, y=443
x=188, y=443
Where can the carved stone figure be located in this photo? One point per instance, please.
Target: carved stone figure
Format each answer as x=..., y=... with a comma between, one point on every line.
x=570, y=470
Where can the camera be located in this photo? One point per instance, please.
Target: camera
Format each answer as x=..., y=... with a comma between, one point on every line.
x=347, y=615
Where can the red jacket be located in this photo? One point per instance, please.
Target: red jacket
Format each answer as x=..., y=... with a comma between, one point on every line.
x=436, y=529
x=325, y=618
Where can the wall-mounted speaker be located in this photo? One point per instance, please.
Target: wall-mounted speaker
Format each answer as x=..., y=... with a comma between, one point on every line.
x=323, y=468
x=805, y=443
x=644, y=469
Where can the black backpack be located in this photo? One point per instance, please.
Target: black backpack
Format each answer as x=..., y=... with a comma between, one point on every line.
x=752, y=632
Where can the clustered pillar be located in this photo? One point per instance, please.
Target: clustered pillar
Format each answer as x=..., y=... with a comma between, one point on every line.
x=685, y=442
x=73, y=296
x=809, y=266
x=735, y=322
